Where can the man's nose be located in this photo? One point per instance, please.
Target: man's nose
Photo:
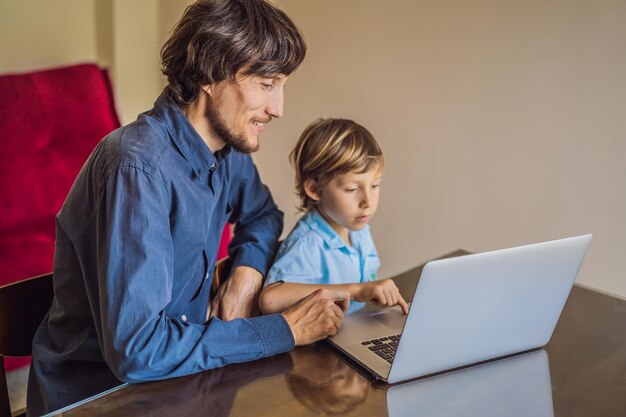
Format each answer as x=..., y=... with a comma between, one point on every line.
x=275, y=105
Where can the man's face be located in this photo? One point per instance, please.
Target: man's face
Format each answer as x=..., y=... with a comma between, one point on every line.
x=239, y=109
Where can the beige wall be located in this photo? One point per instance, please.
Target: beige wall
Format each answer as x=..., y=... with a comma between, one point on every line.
x=502, y=122
x=138, y=30
x=42, y=33
x=136, y=74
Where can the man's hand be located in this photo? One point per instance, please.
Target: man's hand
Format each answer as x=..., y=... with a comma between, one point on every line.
x=317, y=315
x=238, y=296
x=383, y=293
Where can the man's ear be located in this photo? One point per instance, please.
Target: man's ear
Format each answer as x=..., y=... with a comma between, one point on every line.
x=311, y=190
x=208, y=89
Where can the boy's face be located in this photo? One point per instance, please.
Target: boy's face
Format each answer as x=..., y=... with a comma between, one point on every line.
x=349, y=200
x=240, y=108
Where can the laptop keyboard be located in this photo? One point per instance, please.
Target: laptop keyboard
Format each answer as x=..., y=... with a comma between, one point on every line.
x=384, y=347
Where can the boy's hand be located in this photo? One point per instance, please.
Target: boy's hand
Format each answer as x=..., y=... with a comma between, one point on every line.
x=383, y=293
x=317, y=315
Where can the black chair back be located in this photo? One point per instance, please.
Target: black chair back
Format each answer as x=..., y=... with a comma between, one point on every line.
x=23, y=305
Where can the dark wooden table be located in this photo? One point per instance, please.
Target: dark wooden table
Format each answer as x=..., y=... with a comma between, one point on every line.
x=586, y=367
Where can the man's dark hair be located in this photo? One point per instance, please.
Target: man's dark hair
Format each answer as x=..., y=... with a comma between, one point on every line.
x=217, y=38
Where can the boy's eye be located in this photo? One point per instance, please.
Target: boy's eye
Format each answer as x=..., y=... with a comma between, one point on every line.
x=375, y=185
x=351, y=190
x=267, y=86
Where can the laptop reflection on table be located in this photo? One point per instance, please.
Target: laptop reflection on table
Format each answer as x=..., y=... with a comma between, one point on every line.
x=518, y=386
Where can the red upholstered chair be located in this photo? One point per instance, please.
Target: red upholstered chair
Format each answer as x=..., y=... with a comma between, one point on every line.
x=222, y=251
x=50, y=121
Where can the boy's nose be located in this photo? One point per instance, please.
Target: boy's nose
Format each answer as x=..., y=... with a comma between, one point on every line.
x=366, y=199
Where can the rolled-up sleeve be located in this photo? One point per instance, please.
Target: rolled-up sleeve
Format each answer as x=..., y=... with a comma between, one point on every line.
x=258, y=222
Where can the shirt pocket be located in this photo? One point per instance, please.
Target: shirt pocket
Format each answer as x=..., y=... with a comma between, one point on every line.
x=370, y=267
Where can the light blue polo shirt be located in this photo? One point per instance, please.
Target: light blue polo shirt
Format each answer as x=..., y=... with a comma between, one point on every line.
x=313, y=253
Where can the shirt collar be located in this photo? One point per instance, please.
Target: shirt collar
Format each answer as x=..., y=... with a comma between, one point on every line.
x=185, y=137
x=318, y=224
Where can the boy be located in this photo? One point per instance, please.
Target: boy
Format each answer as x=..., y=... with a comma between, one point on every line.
x=339, y=168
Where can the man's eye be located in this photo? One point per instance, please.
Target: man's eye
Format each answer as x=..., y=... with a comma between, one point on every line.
x=267, y=86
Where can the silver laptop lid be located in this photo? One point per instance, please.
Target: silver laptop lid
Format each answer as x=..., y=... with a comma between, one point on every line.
x=478, y=307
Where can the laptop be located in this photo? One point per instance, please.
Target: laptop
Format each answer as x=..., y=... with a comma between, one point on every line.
x=466, y=310
x=517, y=386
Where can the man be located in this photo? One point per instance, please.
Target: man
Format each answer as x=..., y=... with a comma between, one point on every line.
x=138, y=234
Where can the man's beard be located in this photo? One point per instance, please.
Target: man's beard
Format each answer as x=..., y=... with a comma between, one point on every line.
x=237, y=142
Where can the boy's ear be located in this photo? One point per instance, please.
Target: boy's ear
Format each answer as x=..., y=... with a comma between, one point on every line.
x=310, y=188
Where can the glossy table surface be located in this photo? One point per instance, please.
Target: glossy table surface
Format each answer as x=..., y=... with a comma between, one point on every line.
x=581, y=372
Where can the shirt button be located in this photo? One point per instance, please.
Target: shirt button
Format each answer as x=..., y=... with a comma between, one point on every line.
x=206, y=276
x=213, y=165
x=183, y=318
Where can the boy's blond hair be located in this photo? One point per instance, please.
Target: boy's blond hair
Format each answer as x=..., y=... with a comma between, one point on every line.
x=329, y=147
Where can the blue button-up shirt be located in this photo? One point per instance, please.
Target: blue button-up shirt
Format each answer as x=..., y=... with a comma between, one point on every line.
x=135, y=252
x=314, y=253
